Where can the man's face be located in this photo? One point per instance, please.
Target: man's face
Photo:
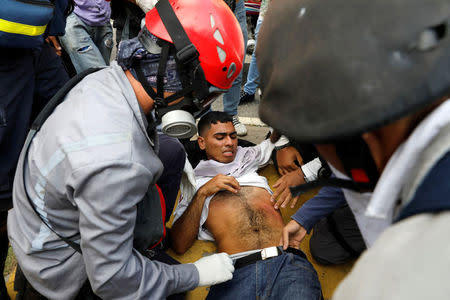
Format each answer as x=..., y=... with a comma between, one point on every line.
x=219, y=142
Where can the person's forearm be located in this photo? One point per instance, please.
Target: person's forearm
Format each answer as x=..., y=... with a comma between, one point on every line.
x=274, y=136
x=185, y=230
x=325, y=202
x=278, y=139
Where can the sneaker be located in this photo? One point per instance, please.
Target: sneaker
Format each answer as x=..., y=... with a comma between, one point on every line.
x=251, y=46
x=245, y=98
x=241, y=130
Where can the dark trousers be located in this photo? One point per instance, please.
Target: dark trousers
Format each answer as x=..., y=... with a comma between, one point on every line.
x=172, y=155
x=3, y=252
x=28, y=80
x=336, y=238
x=25, y=290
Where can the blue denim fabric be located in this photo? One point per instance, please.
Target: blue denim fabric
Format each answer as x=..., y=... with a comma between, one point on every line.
x=287, y=276
x=253, y=73
x=231, y=98
x=87, y=46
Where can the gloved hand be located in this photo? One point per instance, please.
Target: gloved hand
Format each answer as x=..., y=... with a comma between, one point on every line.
x=146, y=5
x=214, y=269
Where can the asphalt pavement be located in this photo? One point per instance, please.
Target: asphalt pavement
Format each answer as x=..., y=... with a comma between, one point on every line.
x=248, y=113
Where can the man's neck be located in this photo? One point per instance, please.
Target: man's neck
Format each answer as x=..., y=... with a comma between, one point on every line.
x=144, y=100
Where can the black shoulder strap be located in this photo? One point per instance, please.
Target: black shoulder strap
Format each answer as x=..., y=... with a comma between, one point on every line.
x=36, y=126
x=186, y=53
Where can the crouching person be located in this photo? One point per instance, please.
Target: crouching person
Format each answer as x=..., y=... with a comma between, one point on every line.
x=86, y=207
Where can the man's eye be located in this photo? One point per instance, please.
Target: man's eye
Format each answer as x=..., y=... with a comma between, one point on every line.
x=219, y=138
x=233, y=136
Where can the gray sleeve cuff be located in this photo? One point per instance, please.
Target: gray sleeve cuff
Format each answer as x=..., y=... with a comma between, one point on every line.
x=188, y=277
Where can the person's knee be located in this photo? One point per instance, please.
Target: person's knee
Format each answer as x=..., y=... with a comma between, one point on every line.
x=179, y=154
x=320, y=253
x=172, y=154
x=324, y=247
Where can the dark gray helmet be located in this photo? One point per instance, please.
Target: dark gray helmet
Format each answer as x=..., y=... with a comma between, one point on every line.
x=334, y=69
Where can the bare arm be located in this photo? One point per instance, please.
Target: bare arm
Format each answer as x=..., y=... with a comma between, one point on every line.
x=287, y=159
x=275, y=136
x=185, y=229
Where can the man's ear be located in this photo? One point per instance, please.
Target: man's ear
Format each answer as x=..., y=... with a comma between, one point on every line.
x=201, y=142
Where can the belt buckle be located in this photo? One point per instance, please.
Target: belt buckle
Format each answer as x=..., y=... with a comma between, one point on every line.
x=269, y=252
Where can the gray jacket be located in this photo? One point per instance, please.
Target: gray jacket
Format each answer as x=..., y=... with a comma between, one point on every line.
x=86, y=170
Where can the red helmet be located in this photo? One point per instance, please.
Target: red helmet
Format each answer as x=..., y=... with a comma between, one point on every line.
x=214, y=31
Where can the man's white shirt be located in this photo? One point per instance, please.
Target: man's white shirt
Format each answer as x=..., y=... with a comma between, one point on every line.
x=244, y=168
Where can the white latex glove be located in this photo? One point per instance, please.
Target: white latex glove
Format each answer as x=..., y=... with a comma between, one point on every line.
x=146, y=5
x=214, y=269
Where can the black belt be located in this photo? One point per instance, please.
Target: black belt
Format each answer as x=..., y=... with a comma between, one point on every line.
x=264, y=254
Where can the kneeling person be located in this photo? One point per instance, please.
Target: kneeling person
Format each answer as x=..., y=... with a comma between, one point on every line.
x=235, y=211
x=86, y=205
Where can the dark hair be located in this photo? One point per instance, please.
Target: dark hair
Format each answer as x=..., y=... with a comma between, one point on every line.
x=212, y=117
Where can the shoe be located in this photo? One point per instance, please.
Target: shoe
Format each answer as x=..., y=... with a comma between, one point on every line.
x=241, y=130
x=245, y=98
x=260, y=93
x=251, y=46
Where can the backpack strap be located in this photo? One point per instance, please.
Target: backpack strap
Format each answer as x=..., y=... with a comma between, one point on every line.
x=36, y=126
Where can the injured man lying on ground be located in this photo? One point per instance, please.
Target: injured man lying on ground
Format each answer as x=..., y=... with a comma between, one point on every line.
x=232, y=207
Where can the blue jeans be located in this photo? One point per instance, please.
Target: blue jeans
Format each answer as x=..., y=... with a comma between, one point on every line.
x=287, y=276
x=88, y=46
x=253, y=73
x=231, y=98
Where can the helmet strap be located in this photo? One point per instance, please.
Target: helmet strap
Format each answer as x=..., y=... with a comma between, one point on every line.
x=358, y=164
x=357, y=160
x=192, y=77
x=186, y=55
x=161, y=70
x=335, y=182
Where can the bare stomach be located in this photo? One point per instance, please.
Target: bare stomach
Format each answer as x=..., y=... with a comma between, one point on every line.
x=244, y=221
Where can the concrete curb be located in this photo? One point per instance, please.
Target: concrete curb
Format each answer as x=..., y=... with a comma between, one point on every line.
x=252, y=121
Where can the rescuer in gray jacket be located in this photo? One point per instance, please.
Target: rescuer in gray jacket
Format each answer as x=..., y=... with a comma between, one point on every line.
x=94, y=160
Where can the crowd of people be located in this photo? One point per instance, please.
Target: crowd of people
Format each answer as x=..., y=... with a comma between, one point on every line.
x=94, y=148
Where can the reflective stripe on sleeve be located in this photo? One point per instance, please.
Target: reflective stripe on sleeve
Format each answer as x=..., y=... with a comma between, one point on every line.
x=24, y=29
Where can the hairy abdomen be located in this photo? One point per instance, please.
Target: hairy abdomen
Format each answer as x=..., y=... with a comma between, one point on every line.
x=244, y=221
